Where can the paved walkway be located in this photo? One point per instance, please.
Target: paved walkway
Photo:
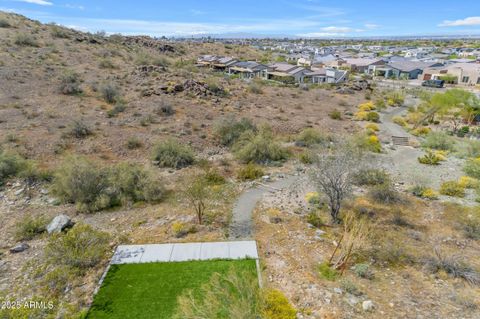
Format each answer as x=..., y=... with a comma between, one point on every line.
x=241, y=224
x=130, y=254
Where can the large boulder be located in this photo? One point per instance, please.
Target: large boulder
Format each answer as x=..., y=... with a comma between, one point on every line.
x=59, y=224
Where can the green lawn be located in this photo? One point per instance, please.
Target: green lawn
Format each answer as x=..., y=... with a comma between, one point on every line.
x=143, y=291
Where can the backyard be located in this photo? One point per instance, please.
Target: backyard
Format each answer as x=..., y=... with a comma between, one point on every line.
x=150, y=290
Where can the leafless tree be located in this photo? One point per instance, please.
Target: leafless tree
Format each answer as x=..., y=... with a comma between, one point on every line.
x=333, y=174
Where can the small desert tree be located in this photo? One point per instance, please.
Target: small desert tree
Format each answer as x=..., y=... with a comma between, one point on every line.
x=199, y=195
x=334, y=174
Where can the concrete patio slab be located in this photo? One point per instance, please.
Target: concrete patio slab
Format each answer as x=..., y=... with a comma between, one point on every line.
x=129, y=254
x=157, y=253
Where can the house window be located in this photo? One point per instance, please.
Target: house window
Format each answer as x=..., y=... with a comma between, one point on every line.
x=465, y=79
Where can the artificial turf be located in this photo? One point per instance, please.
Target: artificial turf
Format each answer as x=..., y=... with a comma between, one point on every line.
x=150, y=290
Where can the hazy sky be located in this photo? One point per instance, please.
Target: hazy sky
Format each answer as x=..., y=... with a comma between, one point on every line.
x=306, y=18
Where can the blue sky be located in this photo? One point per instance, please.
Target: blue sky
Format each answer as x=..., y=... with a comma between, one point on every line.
x=306, y=18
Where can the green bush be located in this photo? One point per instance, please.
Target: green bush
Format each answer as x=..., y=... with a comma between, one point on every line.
x=70, y=83
x=452, y=188
x=81, y=182
x=430, y=158
x=309, y=137
x=92, y=188
x=117, y=109
x=110, y=93
x=306, y=157
x=4, y=24
x=131, y=183
x=59, y=32
x=259, y=148
x=171, y=153
x=133, y=143
x=371, y=177
x=10, y=165
x=30, y=228
x=335, y=115
x=327, y=272
x=228, y=130
x=82, y=247
x=363, y=271
x=314, y=219
x=373, y=117
x=472, y=168
x=250, y=172
x=79, y=129
x=384, y=193
x=106, y=64
x=23, y=39
x=276, y=306
x=439, y=141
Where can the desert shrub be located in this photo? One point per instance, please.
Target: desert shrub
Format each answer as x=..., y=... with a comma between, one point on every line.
x=384, y=193
x=399, y=121
x=23, y=39
x=366, y=107
x=430, y=158
x=133, y=143
x=106, y=64
x=472, y=168
x=214, y=86
x=350, y=287
x=309, y=137
x=276, y=306
x=79, y=129
x=360, y=116
x=70, y=83
x=30, y=228
x=372, y=126
x=172, y=153
x=306, y=157
x=110, y=93
x=380, y=104
x=250, y=172
x=235, y=296
x=424, y=192
x=470, y=225
x=147, y=59
x=59, y=32
x=369, y=143
x=439, y=141
x=131, y=183
x=10, y=165
x=165, y=108
x=421, y=131
x=452, y=188
x=395, y=98
x=390, y=251
x=327, y=272
x=180, y=229
x=373, y=117
x=117, y=109
x=313, y=198
x=228, y=130
x=259, y=148
x=56, y=281
x=82, y=247
x=453, y=265
x=314, y=219
x=4, y=23
x=371, y=176
x=81, y=182
x=335, y=115
x=363, y=271
x=213, y=177
x=254, y=88
x=468, y=182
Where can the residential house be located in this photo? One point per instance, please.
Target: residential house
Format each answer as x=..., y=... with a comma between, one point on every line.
x=287, y=73
x=215, y=62
x=402, y=69
x=322, y=75
x=359, y=65
x=467, y=74
x=248, y=69
x=328, y=60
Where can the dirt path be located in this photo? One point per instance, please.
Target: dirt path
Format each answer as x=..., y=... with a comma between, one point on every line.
x=402, y=161
x=241, y=224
